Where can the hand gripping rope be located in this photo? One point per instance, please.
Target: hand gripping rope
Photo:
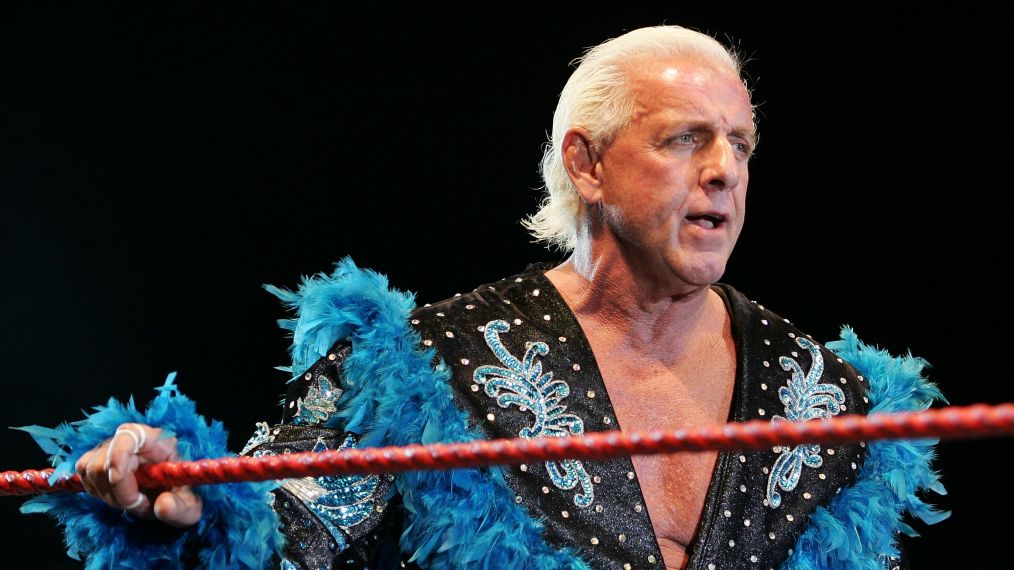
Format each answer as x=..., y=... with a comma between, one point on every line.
x=953, y=422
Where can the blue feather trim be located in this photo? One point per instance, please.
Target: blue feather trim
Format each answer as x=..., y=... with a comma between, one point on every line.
x=238, y=527
x=463, y=518
x=858, y=527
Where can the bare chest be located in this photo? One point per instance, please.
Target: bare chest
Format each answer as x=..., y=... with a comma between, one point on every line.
x=674, y=485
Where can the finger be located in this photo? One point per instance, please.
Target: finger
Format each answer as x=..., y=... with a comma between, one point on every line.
x=159, y=448
x=123, y=487
x=129, y=440
x=180, y=507
x=81, y=468
x=140, y=506
x=133, y=445
x=97, y=475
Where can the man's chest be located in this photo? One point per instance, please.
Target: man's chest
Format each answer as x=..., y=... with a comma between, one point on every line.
x=674, y=486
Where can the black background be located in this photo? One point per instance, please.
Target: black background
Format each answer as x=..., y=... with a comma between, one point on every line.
x=158, y=164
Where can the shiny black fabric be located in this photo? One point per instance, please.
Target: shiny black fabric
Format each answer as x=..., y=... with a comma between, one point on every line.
x=307, y=539
x=310, y=545
x=615, y=529
x=739, y=527
x=723, y=537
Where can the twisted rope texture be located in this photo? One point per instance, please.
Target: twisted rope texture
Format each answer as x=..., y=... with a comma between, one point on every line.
x=952, y=422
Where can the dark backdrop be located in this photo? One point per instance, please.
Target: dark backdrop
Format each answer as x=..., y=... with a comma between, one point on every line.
x=158, y=164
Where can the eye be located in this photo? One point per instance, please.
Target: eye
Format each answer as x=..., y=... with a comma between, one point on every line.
x=685, y=139
x=742, y=148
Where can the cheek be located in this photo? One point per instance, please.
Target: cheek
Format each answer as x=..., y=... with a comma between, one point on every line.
x=653, y=191
x=740, y=200
x=740, y=193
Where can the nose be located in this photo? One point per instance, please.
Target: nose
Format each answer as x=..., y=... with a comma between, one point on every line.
x=718, y=165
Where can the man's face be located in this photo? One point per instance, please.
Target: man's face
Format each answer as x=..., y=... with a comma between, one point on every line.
x=674, y=181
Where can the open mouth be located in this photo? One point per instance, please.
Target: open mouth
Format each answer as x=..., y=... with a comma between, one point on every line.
x=706, y=221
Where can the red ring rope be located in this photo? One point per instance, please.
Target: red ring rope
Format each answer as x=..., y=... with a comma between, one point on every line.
x=953, y=422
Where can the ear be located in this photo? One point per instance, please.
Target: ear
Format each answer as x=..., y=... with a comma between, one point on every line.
x=582, y=164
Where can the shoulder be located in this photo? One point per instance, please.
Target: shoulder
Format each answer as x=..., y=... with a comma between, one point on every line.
x=512, y=296
x=862, y=379
x=773, y=344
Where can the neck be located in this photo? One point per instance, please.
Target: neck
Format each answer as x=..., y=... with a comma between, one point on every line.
x=633, y=314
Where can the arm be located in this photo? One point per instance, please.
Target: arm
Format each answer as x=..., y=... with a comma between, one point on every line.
x=350, y=521
x=236, y=526
x=893, y=481
x=352, y=517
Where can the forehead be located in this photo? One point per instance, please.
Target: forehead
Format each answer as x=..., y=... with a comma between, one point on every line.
x=689, y=86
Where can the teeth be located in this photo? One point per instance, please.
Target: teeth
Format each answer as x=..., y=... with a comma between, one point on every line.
x=707, y=223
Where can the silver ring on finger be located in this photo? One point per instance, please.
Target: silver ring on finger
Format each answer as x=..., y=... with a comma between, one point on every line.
x=135, y=503
x=138, y=436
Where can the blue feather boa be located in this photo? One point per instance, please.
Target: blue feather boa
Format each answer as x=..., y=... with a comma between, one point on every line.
x=467, y=517
x=455, y=519
x=238, y=528
x=861, y=522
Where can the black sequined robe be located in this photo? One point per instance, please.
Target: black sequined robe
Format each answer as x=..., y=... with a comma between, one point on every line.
x=520, y=366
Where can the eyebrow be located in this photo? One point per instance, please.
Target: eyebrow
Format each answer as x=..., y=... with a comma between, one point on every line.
x=750, y=135
x=703, y=125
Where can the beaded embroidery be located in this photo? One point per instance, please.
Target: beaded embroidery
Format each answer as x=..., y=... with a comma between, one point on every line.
x=340, y=502
x=261, y=435
x=805, y=399
x=524, y=384
x=318, y=404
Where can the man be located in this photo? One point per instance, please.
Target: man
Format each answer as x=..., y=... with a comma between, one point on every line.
x=646, y=179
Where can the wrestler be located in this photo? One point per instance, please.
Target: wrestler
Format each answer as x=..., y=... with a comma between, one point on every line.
x=646, y=180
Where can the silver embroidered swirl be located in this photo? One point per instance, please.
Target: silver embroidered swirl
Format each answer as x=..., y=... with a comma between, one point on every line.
x=524, y=384
x=805, y=398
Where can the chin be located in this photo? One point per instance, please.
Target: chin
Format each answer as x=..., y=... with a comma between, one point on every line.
x=700, y=274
